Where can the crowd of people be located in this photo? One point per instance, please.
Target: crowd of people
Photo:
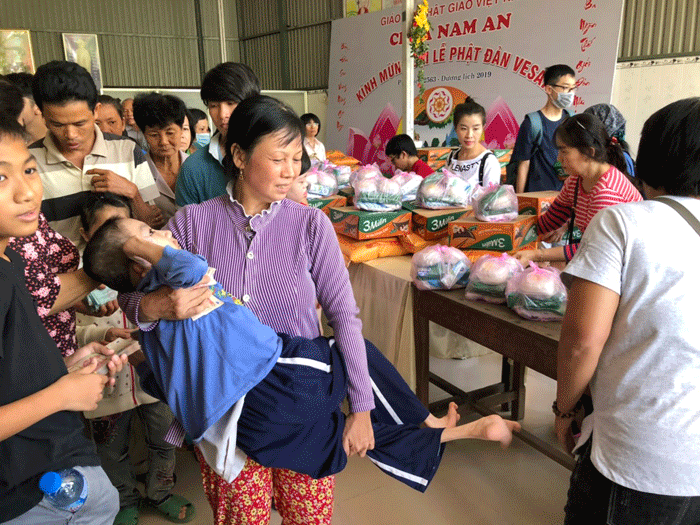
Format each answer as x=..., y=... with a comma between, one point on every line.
x=149, y=199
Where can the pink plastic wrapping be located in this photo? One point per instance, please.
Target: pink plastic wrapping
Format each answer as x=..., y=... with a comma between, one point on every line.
x=495, y=203
x=537, y=293
x=439, y=268
x=489, y=276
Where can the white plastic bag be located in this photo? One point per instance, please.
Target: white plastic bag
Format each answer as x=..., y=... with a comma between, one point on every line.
x=373, y=191
x=495, y=203
x=489, y=276
x=440, y=268
x=537, y=293
x=444, y=189
x=321, y=184
x=409, y=183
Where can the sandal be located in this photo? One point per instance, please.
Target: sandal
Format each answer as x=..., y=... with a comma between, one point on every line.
x=127, y=516
x=171, y=507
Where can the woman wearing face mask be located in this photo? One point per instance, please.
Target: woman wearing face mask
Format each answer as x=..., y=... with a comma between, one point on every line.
x=200, y=128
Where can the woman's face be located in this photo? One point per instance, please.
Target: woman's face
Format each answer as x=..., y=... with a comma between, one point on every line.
x=163, y=142
x=573, y=162
x=201, y=126
x=186, y=136
x=269, y=170
x=311, y=129
x=469, y=130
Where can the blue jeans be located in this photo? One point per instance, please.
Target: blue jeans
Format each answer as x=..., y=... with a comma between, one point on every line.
x=100, y=508
x=594, y=499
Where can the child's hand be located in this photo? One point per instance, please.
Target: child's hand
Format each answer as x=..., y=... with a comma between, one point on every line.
x=81, y=390
x=116, y=333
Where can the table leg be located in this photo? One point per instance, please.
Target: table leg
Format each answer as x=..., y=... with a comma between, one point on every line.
x=506, y=379
x=517, y=406
x=421, y=327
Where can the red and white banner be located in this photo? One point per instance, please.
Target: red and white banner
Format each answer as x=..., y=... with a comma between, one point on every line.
x=492, y=50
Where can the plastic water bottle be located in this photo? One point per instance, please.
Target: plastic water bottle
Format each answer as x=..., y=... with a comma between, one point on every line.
x=66, y=489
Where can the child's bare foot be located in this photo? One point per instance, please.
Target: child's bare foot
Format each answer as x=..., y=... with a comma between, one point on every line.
x=448, y=421
x=490, y=428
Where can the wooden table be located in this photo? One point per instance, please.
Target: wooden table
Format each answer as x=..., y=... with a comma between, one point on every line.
x=527, y=343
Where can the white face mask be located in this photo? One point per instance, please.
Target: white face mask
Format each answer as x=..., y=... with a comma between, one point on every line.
x=564, y=100
x=202, y=139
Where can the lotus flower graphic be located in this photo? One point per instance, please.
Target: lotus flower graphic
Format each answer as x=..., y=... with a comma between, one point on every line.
x=369, y=150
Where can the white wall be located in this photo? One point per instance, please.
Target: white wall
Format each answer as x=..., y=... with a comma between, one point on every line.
x=641, y=88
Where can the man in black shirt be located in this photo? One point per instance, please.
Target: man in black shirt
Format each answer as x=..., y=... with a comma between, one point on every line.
x=40, y=401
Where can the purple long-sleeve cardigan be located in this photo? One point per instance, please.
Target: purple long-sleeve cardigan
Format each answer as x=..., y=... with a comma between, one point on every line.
x=279, y=263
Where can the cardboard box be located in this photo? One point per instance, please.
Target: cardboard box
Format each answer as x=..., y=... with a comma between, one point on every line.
x=506, y=236
x=326, y=203
x=436, y=158
x=361, y=224
x=535, y=202
x=503, y=156
x=475, y=255
x=341, y=159
x=348, y=193
x=432, y=224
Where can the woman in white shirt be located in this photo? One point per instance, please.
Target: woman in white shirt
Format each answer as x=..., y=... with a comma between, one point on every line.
x=313, y=146
x=631, y=333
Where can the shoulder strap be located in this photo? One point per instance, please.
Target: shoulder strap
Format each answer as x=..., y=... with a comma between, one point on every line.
x=451, y=157
x=482, y=165
x=573, y=213
x=682, y=211
x=535, y=128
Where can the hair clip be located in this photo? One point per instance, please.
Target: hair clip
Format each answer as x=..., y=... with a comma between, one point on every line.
x=614, y=140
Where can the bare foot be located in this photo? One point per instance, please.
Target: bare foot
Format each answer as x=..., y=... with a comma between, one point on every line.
x=448, y=421
x=490, y=428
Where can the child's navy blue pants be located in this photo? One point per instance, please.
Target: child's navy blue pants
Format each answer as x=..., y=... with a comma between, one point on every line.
x=292, y=419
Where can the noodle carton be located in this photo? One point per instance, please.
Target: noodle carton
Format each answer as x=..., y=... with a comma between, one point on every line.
x=475, y=255
x=361, y=224
x=326, y=203
x=470, y=233
x=535, y=202
x=436, y=158
x=432, y=224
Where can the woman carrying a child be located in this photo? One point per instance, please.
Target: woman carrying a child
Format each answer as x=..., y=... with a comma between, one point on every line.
x=279, y=258
x=595, y=166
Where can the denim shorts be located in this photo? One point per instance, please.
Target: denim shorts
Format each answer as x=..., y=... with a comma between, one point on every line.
x=593, y=499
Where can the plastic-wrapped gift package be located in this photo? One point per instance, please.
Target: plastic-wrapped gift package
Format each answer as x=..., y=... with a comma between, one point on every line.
x=409, y=183
x=321, y=184
x=374, y=192
x=489, y=276
x=444, y=189
x=341, y=173
x=495, y=203
x=537, y=293
x=439, y=268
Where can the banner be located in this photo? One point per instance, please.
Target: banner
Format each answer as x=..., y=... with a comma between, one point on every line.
x=492, y=50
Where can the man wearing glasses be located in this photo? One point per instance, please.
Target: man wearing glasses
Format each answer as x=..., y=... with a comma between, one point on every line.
x=535, y=150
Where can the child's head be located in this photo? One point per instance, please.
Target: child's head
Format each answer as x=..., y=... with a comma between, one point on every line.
x=400, y=149
x=586, y=134
x=469, y=119
x=97, y=208
x=560, y=84
x=298, y=190
x=20, y=185
x=312, y=124
x=105, y=260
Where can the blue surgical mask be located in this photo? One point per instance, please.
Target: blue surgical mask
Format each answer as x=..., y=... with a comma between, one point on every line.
x=564, y=100
x=202, y=139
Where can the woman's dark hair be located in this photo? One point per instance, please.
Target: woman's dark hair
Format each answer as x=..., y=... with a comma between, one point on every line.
x=104, y=259
x=255, y=118
x=190, y=121
x=94, y=202
x=669, y=149
x=615, y=124
x=310, y=117
x=400, y=143
x=305, y=161
x=585, y=133
x=59, y=82
x=11, y=100
x=10, y=128
x=469, y=107
x=114, y=102
x=158, y=111
x=229, y=81
x=197, y=115
x=23, y=81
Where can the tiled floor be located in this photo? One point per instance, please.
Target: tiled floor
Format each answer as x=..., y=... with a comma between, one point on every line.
x=477, y=483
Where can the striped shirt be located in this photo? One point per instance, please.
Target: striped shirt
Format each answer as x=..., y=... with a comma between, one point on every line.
x=66, y=185
x=279, y=263
x=612, y=188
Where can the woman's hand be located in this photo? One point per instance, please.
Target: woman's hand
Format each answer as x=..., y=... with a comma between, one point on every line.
x=115, y=333
x=358, y=435
x=174, y=305
x=113, y=362
x=525, y=256
x=565, y=437
x=556, y=235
